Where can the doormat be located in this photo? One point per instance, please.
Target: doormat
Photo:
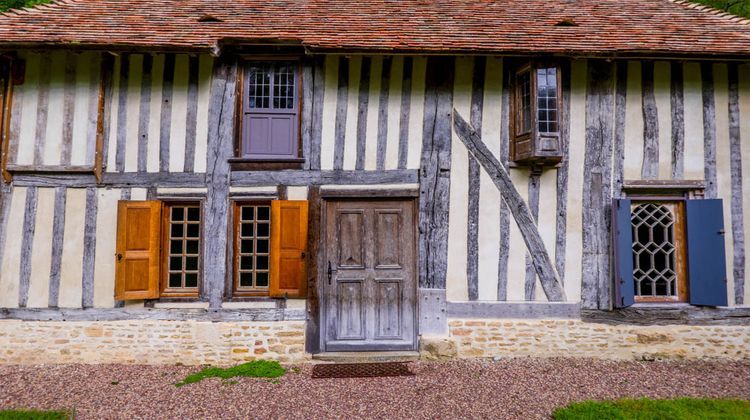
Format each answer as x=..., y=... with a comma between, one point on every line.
x=361, y=370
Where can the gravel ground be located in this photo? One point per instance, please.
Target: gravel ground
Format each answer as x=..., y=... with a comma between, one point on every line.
x=519, y=388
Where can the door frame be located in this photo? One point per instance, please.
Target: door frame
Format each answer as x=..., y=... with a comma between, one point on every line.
x=364, y=194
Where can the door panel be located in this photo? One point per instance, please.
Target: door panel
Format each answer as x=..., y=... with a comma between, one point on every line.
x=369, y=297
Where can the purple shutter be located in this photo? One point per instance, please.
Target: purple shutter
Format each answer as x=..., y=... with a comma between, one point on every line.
x=623, y=250
x=706, y=257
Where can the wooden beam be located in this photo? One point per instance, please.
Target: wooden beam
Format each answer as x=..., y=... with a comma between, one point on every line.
x=677, y=100
x=674, y=315
x=738, y=222
x=545, y=269
x=518, y=310
x=121, y=314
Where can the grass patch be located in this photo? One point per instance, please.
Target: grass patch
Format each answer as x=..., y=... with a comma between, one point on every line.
x=648, y=409
x=255, y=369
x=34, y=415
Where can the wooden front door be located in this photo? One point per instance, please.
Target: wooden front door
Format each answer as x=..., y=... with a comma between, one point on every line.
x=369, y=282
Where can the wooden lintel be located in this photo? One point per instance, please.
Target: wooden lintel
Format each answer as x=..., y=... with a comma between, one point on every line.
x=117, y=314
x=543, y=265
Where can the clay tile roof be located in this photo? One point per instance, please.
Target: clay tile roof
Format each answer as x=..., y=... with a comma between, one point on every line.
x=575, y=27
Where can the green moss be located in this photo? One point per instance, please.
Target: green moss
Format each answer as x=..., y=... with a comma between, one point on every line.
x=255, y=369
x=34, y=415
x=648, y=409
x=17, y=4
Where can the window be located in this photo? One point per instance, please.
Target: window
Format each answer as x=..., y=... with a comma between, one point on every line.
x=669, y=250
x=182, y=231
x=270, y=111
x=658, y=251
x=252, y=247
x=536, y=105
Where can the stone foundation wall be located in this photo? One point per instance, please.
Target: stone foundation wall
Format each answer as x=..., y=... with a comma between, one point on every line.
x=575, y=338
x=150, y=342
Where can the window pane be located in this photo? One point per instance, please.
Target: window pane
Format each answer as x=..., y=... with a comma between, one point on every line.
x=259, y=86
x=246, y=263
x=263, y=229
x=261, y=279
x=191, y=263
x=191, y=280
x=177, y=214
x=246, y=246
x=246, y=279
x=248, y=212
x=194, y=214
x=264, y=213
x=176, y=231
x=283, y=88
x=261, y=262
x=262, y=246
x=192, y=247
x=175, y=280
x=247, y=230
x=193, y=230
x=175, y=247
x=175, y=263
x=524, y=91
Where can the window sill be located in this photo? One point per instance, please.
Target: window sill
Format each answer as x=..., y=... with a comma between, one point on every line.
x=31, y=169
x=245, y=164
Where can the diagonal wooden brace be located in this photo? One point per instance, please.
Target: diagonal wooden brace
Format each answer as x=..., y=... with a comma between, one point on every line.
x=542, y=263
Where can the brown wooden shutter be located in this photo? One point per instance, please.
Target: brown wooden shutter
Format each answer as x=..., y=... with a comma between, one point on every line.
x=288, y=247
x=138, y=250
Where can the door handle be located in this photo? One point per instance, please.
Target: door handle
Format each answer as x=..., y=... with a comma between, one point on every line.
x=119, y=257
x=331, y=271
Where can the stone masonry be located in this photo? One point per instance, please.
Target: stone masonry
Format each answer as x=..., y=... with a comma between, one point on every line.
x=150, y=342
x=575, y=338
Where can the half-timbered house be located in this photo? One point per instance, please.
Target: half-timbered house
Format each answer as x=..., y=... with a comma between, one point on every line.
x=203, y=181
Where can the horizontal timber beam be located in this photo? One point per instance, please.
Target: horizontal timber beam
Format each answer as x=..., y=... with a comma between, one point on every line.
x=304, y=177
x=521, y=310
x=669, y=315
x=119, y=314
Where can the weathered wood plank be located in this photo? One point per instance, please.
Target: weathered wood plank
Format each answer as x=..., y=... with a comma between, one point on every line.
x=504, y=222
x=385, y=85
x=144, y=112
x=530, y=281
x=363, y=103
x=117, y=314
x=677, y=100
x=220, y=149
x=191, y=123
x=435, y=173
x=561, y=222
x=403, y=127
x=524, y=219
x=510, y=310
x=738, y=223
x=678, y=315
x=27, y=240
x=709, y=128
x=89, y=248
x=618, y=157
x=596, y=277
x=472, y=236
x=316, y=134
x=103, y=123
x=299, y=177
x=165, y=120
x=650, y=168
x=42, y=109
x=122, y=113
x=112, y=180
x=308, y=86
x=314, y=264
x=342, y=104
x=69, y=96
x=58, y=234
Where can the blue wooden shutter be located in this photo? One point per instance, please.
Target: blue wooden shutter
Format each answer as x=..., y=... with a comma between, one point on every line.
x=623, y=247
x=706, y=257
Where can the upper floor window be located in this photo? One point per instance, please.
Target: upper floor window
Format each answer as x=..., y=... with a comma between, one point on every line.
x=536, y=114
x=270, y=111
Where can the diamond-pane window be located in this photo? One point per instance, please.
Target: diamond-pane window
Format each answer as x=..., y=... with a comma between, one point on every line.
x=654, y=256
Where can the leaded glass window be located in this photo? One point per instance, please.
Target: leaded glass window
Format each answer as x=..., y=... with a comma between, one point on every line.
x=547, y=99
x=252, y=246
x=655, y=270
